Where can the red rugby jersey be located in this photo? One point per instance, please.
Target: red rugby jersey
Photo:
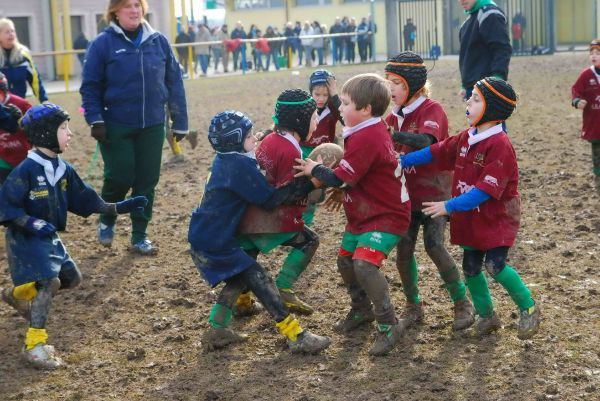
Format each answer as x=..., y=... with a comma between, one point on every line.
x=376, y=198
x=587, y=87
x=426, y=183
x=486, y=161
x=14, y=147
x=275, y=155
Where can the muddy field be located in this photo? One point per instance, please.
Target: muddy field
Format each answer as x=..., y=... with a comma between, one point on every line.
x=132, y=330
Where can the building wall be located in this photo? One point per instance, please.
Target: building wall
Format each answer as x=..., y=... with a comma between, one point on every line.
x=40, y=25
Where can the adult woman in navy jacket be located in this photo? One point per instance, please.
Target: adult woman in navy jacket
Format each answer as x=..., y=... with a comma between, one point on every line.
x=16, y=63
x=130, y=75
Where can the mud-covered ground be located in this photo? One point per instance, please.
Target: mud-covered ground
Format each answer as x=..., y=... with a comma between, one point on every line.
x=132, y=331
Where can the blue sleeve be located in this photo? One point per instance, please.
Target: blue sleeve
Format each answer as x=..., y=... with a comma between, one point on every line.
x=467, y=201
x=92, y=85
x=13, y=194
x=422, y=156
x=174, y=84
x=82, y=199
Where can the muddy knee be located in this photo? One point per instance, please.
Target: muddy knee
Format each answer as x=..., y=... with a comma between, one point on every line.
x=70, y=278
x=374, y=283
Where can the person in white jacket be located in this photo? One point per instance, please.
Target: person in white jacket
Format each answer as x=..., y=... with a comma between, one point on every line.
x=307, y=43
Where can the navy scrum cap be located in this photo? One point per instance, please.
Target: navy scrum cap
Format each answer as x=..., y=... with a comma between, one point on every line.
x=319, y=77
x=228, y=131
x=41, y=124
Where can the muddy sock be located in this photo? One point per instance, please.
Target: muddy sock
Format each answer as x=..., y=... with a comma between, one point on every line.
x=454, y=285
x=410, y=281
x=516, y=288
x=220, y=316
x=293, y=266
x=480, y=293
x=34, y=337
x=290, y=327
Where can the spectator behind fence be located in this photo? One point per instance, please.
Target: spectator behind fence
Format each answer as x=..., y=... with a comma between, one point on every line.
x=361, y=39
x=484, y=44
x=298, y=44
x=318, y=43
x=203, y=51
x=274, y=48
x=239, y=33
x=307, y=43
x=220, y=51
x=290, y=40
x=124, y=95
x=519, y=22
x=410, y=34
x=337, y=50
x=351, y=41
x=183, y=52
x=17, y=64
x=81, y=43
x=371, y=31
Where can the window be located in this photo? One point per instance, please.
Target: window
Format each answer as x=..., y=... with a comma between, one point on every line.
x=76, y=26
x=250, y=4
x=312, y=2
x=22, y=29
x=101, y=23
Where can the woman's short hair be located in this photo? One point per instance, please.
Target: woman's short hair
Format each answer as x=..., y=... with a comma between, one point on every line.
x=116, y=5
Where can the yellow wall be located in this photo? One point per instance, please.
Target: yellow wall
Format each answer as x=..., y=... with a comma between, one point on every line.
x=574, y=21
x=324, y=14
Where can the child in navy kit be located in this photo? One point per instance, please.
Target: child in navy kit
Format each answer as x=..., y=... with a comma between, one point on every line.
x=34, y=201
x=376, y=204
x=234, y=183
x=263, y=230
x=586, y=97
x=485, y=208
x=417, y=122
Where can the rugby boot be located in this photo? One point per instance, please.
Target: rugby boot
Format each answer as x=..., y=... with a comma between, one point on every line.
x=413, y=313
x=106, y=234
x=487, y=325
x=42, y=356
x=216, y=338
x=387, y=336
x=464, y=316
x=529, y=322
x=308, y=343
x=293, y=303
x=354, y=319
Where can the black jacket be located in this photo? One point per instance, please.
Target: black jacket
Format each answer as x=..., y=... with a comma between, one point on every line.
x=484, y=46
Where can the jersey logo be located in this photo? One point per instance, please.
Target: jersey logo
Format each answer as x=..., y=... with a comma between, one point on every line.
x=592, y=81
x=346, y=166
x=493, y=181
x=479, y=157
x=39, y=193
x=41, y=180
x=431, y=124
x=463, y=151
x=376, y=237
x=413, y=127
x=120, y=51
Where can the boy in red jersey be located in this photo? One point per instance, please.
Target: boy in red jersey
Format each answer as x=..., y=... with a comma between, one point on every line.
x=13, y=140
x=376, y=204
x=417, y=122
x=263, y=230
x=486, y=207
x=586, y=96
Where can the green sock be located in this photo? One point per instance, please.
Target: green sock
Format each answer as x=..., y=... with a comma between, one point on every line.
x=220, y=316
x=293, y=266
x=516, y=288
x=596, y=170
x=454, y=285
x=410, y=281
x=480, y=293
